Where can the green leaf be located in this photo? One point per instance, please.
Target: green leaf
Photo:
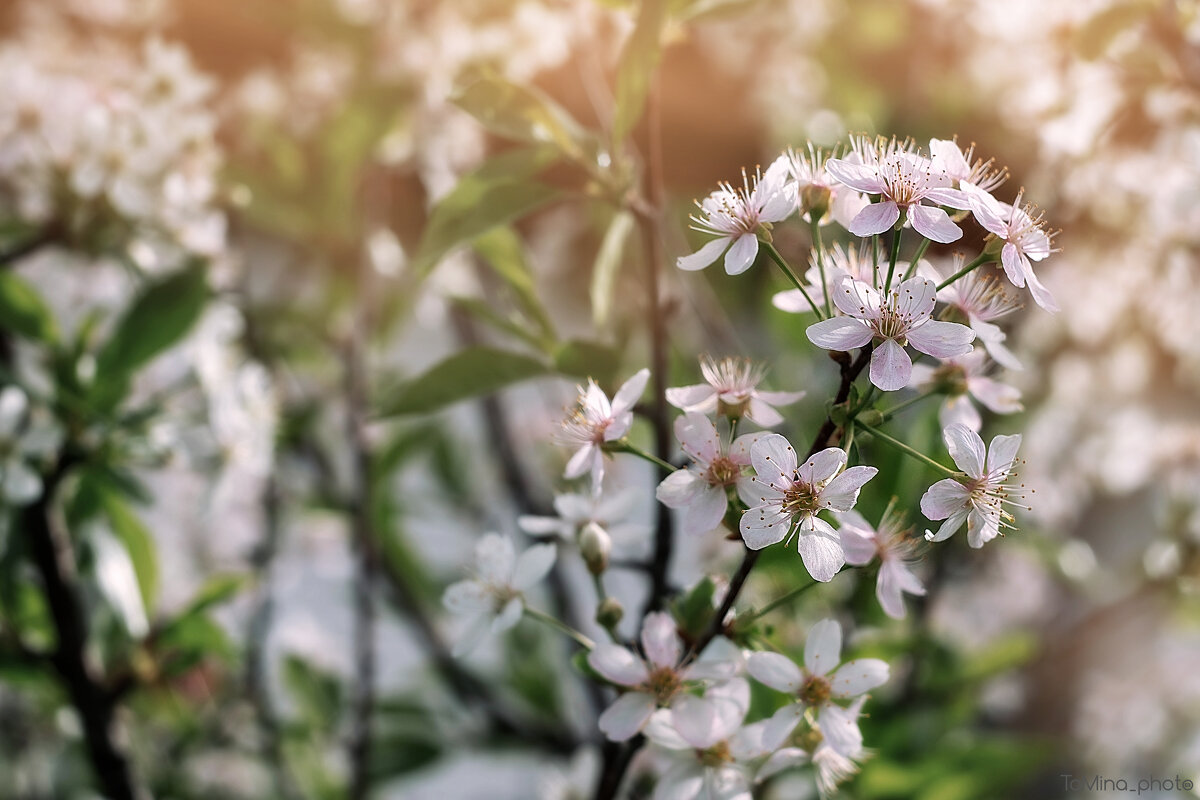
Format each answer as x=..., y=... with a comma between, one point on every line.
x=512, y=323
x=639, y=59
x=503, y=251
x=523, y=114
x=498, y=192
x=318, y=694
x=694, y=610
x=215, y=591
x=397, y=754
x=581, y=359
x=23, y=311
x=469, y=373
x=138, y=542
x=158, y=318
x=608, y=265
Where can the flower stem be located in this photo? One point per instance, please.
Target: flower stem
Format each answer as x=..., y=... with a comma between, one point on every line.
x=917, y=256
x=909, y=451
x=891, y=412
x=983, y=259
x=892, y=257
x=624, y=446
x=778, y=259
x=561, y=627
x=815, y=225
x=781, y=600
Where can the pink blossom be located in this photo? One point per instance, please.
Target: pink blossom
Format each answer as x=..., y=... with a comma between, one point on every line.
x=732, y=390
x=981, y=499
x=1025, y=241
x=595, y=421
x=895, y=549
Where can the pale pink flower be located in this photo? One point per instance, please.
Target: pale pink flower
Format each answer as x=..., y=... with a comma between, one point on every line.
x=610, y=511
x=981, y=499
x=962, y=379
x=904, y=180
x=494, y=599
x=1025, y=241
x=982, y=299
x=962, y=166
x=786, y=496
x=596, y=421
x=658, y=680
x=837, y=262
x=815, y=189
x=895, y=549
x=732, y=390
x=818, y=685
x=904, y=318
x=701, y=490
x=735, y=217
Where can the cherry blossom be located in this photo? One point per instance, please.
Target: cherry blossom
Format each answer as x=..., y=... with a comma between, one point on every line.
x=1025, y=241
x=981, y=499
x=837, y=261
x=818, y=685
x=982, y=299
x=895, y=550
x=786, y=496
x=732, y=390
x=815, y=191
x=962, y=379
x=596, y=421
x=904, y=317
x=963, y=168
x=736, y=216
x=609, y=510
x=492, y=601
x=903, y=180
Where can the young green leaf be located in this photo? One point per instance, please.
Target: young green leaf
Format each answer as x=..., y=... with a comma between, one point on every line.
x=158, y=318
x=608, y=265
x=469, y=373
x=639, y=59
x=23, y=311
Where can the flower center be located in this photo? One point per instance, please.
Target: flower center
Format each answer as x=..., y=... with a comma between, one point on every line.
x=663, y=683
x=716, y=755
x=816, y=690
x=951, y=379
x=801, y=498
x=722, y=472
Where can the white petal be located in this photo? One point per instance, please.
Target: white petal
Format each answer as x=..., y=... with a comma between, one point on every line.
x=509, y=616
x=693, y=398
x=1001, y=454
x=942, y=339
x=739, y=451
x=944, y=498
x=999, y=397
x=582, y=462
x=782, y=723
x=741, y=256
x=839, y=333
x=533, y=565
x=467, y=597
x=661, y=730
x=875, y=218
x=544, y=526
x=792, y=301
x=823, y=648
x=915, y=298
x=13, y=404
x=949, y=527
x=763, y=526
x=1041, y=295
x=781, y=760
x=471, y=637
x=704, y=256
x=820, y=550
x=858, y=676
x=630, y=391
x=890, y=366
x=822, y=466
x=842, y=492
x=859, y=177
x=934, y=223
x=706, y=512
x=780, y=398
x=618, y=664
x=696, y=720
x=775, y=670
x=698, y=437
x=627, y=715
x=959, y=411
x=840, y=728
x=774, y=460
x=894, y=579
x=495, y=558
x=762, y=414
x=20, y=484
x=681, y=488
x=660, y=640
x=966, y=448
x=856, y=298
x=683, y=782
x=858, y=541
x=982, y=527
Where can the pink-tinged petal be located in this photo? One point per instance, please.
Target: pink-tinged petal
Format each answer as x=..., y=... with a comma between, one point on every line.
x=581, y=462
x=747, y=743
x=856, y=298
x=627, y=715
x=774, y=460
x=820, y=549
x=706, y=512
x=780, y=398
x=1041, y=295
x=982, y=527
x=949, y=527
x=1016, y=265
x=858, y=676
x=966, y=448
x=839, y=333
x=618, y=665
x=942, y=339
x=762, y=413
x=741, y=256
x=996, y=348
x=776, y=671
x=1001, y=454
x=681, y=488
x=532, y=566
x=792, y=301
x=894, y=579
x=704, y=256
x=629, y=393
x=890, y=366
x=701, y=397
x=959, y=411
x=946, y=155
x=682, y=782
x=934, y=223
x=762, y=526
x=821, y=466
x=661, y=730
x=840, y=728
x=509, y=616
x=858, y=540
x=948, y=197
x=495, y=558
x=875, y=218
x=750, y=492
x=739, y=451
x=944, y=498
x=842, y=492
x=846, y=205
x=782, y=723
x=921, y=376
x=779, y=206
x=916, y=298
x=698, y=437
x=999, y=397
x=823, y=648
x=858, y=177
x=780, y=760
x=988, y=211
x=660, y=640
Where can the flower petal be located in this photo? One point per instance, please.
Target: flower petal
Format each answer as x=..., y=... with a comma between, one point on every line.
x=999, y=397
x=627, y=715
x=934, y=223
x=762, y=526
x=509, y=616
x=842, y=492
x=706, y=512
x=890, y=366
x=698, y=437
x=495, y=559
x=1001, y=454
x=982, y=526
x=858, y=676
x=660, y=640
x=942, y=339
x=966, y=448
x=823, y=648
x=630, y=391
x=857, y=298
x=944, y=498
x=762, y=413
x=875, y=218
x=741, y=256
x=533, y=565
x=840, y=728
x=693, y=398
x=839, y=333
x=858, y=177
x=776, y=671
x=782, y=723
x=618, y=664
x=681, y=488
x=704, y=256
x=949, y=527
x=582, y=462
x=774, y=460
x=820, y=549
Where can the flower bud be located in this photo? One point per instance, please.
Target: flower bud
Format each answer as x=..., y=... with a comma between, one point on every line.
x=872, y=417
x=609, y=614
x=814, y=201
x=595, y=545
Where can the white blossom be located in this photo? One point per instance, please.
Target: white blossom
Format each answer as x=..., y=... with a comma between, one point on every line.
x=981, y=499
x=731, y=389
x=896, y=551
x=596, y=421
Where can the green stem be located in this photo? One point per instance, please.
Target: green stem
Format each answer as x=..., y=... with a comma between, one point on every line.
x=909, y=451
x=817, y=248
x=778, y=259
x=561, y=627
x=891, y=412
x=895, y=254
x=624, y=446
x=983, y=259
x=875, y=259
x=781, y=600
x=917, y=256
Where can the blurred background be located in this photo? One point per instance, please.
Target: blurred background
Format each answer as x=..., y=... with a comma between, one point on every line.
x=273, y=502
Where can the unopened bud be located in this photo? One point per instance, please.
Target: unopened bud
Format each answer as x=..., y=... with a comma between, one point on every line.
x=872, y=417
x=814, y=201
x=609, y=614
x=595, y=545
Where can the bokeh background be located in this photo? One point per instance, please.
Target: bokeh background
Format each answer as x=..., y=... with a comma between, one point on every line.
x=313, y=137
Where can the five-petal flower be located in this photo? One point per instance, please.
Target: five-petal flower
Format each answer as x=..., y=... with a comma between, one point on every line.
x=979, y=500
